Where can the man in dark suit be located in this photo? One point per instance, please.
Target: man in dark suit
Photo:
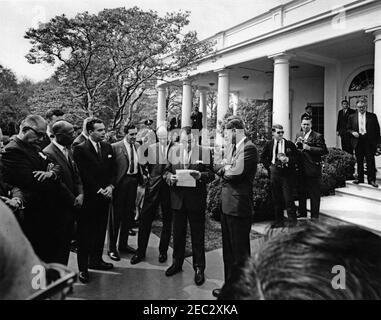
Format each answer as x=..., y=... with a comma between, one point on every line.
x=156, y=193
x=189, y=202
x=307, y=113
x=311, y=147
x=95, y=161
x=365, y=131
x=128, y=174
x=84, y=136
x=341, y=127
x=279, y=157
x=237, y=172
x=27, y=168
x=59, y=151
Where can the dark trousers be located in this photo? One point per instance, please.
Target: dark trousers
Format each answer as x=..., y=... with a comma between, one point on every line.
x=122, y=219
x=365, y=149
x=64, y=237
x=309, y=187
x=235, y=241
x=346, y=144
x=282, y=188
x=92, y=224
x=196, y=220
x=157, y=194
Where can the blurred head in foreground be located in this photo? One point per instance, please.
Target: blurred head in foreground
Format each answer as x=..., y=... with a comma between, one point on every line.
x=17, y=259
x=312, y=262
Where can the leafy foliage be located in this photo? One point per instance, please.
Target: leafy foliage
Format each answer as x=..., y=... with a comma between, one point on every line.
x=110, y=60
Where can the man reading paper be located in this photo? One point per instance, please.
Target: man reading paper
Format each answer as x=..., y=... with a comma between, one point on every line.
x=188, y=203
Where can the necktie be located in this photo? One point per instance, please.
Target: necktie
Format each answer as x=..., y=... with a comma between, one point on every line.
x=132, y=164
x=99, y=151
x=234, y=150
x=276, y=150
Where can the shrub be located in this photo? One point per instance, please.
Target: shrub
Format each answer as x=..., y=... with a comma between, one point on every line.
x=261, y=197
x=338, y=166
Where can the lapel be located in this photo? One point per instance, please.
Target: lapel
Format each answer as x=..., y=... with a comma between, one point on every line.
x=311, y=136
x=356, y=123
x=367, y=121
x=60, y=155
x=125, y=152
x=92, y=149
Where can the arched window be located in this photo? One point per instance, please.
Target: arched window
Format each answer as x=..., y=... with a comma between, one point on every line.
x=362, y=86
x=363, y=81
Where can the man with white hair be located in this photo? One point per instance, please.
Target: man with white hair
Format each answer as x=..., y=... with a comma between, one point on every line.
x=156, y=193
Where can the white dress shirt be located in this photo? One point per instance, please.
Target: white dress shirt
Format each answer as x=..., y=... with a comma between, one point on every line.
x=129, y=151
x=281, y=148
x=63, y=149
x=362, y=123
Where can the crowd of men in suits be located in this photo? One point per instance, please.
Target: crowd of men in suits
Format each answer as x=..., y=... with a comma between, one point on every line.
x=53, y=181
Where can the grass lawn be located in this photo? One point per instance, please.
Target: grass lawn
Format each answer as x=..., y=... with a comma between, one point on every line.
x=213, y=238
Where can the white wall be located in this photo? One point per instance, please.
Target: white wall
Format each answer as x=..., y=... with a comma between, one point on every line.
x=304, y=91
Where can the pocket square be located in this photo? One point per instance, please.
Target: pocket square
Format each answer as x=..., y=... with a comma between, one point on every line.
x=109, y=156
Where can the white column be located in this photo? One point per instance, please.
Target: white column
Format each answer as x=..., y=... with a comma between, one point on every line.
x=281, y=94
x=223, y=94
x=377, y=74
x=235, y=100
x=161, y=106
x=203, y=93
x=187, y=104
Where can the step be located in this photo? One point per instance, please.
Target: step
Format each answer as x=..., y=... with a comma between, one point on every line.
x=361, y=212
x=378, y=176
x=362, y=191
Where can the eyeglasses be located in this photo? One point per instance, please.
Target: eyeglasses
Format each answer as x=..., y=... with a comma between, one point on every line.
x=38, y=134
x=280, y=132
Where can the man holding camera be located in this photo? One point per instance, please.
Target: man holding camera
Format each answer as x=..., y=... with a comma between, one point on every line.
x=279, y=158
x=311, y=147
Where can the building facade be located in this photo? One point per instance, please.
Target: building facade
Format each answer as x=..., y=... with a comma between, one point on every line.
x=305, y=52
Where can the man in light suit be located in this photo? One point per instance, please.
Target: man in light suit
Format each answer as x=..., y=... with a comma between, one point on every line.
x=95, y=161
x=59, y=151
x=237, y=172
x=128, y=174
x=156, y=193
x=279, y=157
x=311, y=147
x=189, y=202
x=341, y=127
x=365, y=131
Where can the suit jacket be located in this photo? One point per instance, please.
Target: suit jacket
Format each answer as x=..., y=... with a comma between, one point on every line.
x=196, y=120
x=95, y=173
x=41, y=198
x=201, y=160
x=291, y=153
x=237, y=181
x=372, y=128
x=80, y=139
x=310, y=161
x=70, y=179
x=342, y=120
x=122, y=161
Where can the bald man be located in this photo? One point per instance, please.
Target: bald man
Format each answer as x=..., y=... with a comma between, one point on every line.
x=60, y=152
x=156, y=193
x=28, y=169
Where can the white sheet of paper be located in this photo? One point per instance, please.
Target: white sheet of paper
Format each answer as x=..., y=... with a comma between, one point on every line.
x=184, y=179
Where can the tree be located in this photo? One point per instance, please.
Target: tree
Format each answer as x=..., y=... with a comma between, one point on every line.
x=13, y=97
x=121, y=51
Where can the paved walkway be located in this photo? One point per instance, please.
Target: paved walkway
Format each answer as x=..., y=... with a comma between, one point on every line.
x=146, y=280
